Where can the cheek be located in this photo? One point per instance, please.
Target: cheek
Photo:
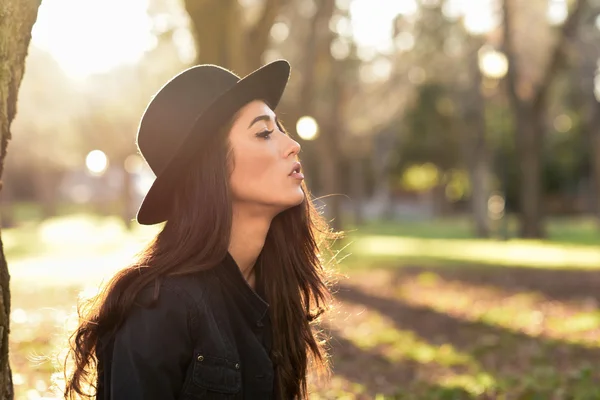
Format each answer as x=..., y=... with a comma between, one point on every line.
x=252, y=171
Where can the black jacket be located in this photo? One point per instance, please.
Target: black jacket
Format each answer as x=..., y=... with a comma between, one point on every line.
x=207, y=337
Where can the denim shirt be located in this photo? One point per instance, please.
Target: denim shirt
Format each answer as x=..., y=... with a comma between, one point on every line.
x=207, y=337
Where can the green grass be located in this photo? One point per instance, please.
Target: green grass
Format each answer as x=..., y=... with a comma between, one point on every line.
x=572, y=243
x=581, y=230
x=427, y=311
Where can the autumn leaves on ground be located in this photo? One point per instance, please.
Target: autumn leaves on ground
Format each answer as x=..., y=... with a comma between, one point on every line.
x=422, y=314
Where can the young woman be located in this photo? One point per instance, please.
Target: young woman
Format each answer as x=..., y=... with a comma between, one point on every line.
x=223, y=303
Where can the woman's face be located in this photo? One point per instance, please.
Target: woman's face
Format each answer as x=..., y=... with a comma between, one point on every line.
x=263, y=160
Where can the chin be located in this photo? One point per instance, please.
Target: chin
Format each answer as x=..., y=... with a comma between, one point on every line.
x=294, y=200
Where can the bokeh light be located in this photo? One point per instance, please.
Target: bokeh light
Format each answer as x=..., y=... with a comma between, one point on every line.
x=479, y=17
x=496, y=204
x=563, y=123
x=493, y=63
x=133, y=164
x=307, y=128
x=96, y=162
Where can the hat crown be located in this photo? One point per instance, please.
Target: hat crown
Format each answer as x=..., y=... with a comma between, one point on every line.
x=193, y=104
x=171, y=113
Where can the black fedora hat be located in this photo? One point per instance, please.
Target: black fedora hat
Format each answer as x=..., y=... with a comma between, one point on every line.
x=191, y=105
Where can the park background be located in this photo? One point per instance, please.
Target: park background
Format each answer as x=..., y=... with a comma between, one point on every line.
x=456, y=142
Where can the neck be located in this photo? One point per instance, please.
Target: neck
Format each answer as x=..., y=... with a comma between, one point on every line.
x=248, y=234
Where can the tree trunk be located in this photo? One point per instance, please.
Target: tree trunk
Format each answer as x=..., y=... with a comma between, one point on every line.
x=529, y=114
x=480, y=180
x=476, y=147
x=330, y=154
x=16, y=21
x=595, y=142
x=592, y=127
x=384, y=144
x=222, y=37
x=584, y=72
x=317, y=53
x=529, y=142
x=357, y=187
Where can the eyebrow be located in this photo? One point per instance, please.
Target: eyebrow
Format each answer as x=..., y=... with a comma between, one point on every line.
x=263, y=117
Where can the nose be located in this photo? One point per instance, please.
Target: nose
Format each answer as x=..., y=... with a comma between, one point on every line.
x=293, y=148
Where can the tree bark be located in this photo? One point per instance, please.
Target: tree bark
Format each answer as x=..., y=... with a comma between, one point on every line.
x=593, y=122
x=357, y=187
x=16, y=21
x=529, y=117
x=329, y=153
x=383, y=145
x=223, y=39
x=476, y=147
x=588, y=51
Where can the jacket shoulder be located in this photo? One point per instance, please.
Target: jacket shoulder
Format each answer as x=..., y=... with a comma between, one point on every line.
x=195, y=287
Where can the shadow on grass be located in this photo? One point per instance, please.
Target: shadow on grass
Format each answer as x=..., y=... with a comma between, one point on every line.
x=557, y=284
x=509, y=358
x=368, y=368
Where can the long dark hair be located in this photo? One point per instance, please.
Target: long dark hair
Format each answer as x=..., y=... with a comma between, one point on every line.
x=295, y=263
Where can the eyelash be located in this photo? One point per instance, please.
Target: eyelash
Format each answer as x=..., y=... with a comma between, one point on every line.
x=265, y=134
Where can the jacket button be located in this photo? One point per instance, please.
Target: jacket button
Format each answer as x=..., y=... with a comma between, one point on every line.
x=200, y=358
x=237, y=365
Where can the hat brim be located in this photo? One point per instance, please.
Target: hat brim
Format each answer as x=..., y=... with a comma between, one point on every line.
x=266, y=83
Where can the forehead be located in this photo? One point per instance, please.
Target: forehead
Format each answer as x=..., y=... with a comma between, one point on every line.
x=253, y=109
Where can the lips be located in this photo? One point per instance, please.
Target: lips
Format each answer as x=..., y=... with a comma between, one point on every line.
x=295, y=168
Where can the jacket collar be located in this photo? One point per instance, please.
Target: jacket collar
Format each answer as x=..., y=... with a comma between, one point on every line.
x=248, y=299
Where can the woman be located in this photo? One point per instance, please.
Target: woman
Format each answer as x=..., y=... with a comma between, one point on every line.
x=222, y=304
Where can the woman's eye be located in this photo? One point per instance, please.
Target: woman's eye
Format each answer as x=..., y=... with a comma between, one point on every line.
x=265, y=134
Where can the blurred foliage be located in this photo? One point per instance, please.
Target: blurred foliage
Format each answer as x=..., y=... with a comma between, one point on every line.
x=402, y=103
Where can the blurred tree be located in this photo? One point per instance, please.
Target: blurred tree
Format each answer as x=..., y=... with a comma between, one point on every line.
x=230, y=35
x=321, y=80
x=18, y=17
x=447, y=120
x=113, y=105
x=529, y=103
x=47, y=103
x=586, y=74
x=475, y=144
x=66, y=119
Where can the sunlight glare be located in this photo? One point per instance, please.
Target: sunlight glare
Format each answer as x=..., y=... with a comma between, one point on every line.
x=343, y=5
x=452, y=9
x=372, y=21
x=96, y=162
x=480, y=17
x=18, y=316
x=558, y=10
x=93, y=36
